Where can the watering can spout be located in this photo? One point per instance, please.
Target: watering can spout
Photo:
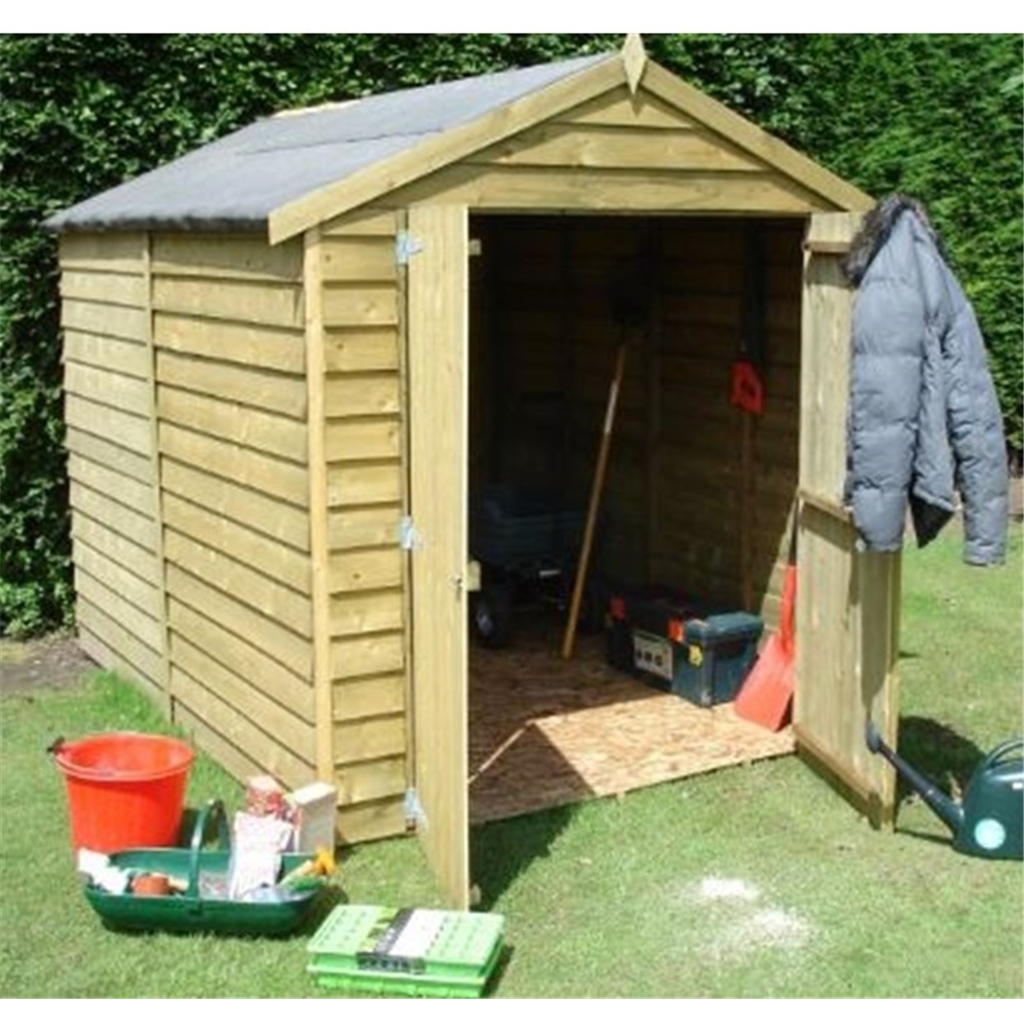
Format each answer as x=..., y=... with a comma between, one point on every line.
x=951, y=813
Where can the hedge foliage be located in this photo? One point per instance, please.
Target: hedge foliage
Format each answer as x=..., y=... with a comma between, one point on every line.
x=939, y=117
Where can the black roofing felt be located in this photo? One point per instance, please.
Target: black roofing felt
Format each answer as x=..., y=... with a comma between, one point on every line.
x=237, y=181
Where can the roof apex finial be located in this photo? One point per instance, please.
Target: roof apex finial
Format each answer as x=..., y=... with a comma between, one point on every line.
x=634, y=57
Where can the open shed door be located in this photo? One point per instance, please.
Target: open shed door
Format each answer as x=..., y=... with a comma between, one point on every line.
x=847, y=609
x=437, y=336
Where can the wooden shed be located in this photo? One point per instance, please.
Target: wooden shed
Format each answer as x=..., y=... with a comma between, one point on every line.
x=292, y=355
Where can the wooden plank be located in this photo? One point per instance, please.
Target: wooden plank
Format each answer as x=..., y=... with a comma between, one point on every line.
x=242, y=657
x=366, y=394
x=109, y=321
x=240, y=257
x=108, y=453
x=253, y=345
x=252, y=587
x=118, y=518
x=631, y=148
x=619, y=107
x=108, y=658
x=123, y=489
x=373, y=780
x=131, y=431
x=366, y=222
x=484, y=187
x=369, y=738
x=133, y=620
x=373, y=569
x=350, y=483
x=441, y=150
x=365, y=612
x=274, y=718
x=437, y=343
x=262, y=389
x=110, y=288
x=362, y=823
x=249, y=302
x=693, y=103
x=237, y=504
x=120, y=252
x=359, y=259
x=271, y=557
x=114, y=546
x=127, y=357
x=231, y=741
x=373, y=654
x=137, y=591
x=362, y=439
x=226, y=609
x=263, y=473
x=358, y=350
x=359, y=304
x=319, y=544
x=105, y=387
x=363, y=527
x=369, y=697
x=230, y=421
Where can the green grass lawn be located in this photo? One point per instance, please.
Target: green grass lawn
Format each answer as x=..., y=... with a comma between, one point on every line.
x=753, y=882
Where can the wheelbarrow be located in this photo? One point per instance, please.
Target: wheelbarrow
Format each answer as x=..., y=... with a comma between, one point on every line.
x=200, y=903
x=527, y=545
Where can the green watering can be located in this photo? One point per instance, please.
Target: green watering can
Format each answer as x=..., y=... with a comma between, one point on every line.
x=989, y=822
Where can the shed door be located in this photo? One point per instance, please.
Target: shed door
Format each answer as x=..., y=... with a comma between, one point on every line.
x=847, y=610
x=437, y=336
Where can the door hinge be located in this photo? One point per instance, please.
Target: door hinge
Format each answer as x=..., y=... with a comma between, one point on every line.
x=407, y=535
x=406, y=246
x=415, y=816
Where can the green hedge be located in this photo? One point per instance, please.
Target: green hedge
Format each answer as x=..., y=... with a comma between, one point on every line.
x=936, y=116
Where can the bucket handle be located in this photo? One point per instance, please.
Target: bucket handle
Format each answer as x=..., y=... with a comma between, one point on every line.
x=55, y=747
x=213, y=811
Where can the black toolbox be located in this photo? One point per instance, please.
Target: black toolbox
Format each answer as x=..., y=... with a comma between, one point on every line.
x=681, y=647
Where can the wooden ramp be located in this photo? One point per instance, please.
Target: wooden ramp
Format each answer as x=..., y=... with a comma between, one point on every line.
x=545, y=732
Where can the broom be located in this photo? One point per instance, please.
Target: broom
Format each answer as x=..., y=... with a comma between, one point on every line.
x=767, y=693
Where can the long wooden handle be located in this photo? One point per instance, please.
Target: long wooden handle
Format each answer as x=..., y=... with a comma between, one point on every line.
x=595, y=500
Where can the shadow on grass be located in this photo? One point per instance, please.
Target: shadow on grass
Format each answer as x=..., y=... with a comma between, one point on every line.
x=939, y=753
x=500, y=851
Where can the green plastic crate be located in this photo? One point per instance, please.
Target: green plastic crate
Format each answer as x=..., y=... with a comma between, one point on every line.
x=405, y=951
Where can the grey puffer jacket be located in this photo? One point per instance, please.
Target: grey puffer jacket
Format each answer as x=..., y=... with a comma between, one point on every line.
x=924, y=421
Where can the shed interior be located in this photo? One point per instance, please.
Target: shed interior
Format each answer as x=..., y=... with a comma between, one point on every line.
x=698, y=493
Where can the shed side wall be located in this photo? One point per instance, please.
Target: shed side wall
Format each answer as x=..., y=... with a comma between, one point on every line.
x=363, y=449
x=109, y=437
x=231, y=401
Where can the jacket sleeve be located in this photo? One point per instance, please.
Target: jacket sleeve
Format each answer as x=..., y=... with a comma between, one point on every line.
x=975, y=425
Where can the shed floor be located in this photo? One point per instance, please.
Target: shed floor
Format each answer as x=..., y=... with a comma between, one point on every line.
x=545, y=732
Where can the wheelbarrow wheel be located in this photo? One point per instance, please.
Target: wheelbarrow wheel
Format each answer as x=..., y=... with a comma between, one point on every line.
x=491, y=610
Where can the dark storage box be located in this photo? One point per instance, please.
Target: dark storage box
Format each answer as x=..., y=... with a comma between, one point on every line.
x=677, y=646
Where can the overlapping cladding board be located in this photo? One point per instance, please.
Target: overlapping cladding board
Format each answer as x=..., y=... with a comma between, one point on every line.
x=108, y=405
x=363, y=441
x=231, y=404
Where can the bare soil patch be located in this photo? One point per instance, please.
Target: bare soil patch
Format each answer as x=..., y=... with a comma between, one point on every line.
x=54, y=661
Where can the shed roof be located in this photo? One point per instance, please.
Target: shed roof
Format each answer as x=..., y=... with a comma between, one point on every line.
x=287, y=172
x=239, y=180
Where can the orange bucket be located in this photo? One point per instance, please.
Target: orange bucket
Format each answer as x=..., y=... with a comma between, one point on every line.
x=125, y=789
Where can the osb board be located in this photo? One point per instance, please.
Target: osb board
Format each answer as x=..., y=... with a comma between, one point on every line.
x=546, y=732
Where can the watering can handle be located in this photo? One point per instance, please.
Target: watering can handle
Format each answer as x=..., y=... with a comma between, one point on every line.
x=212, y=809
x=1001, y=751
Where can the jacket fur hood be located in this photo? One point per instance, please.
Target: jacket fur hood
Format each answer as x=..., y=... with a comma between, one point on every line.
x=876, y=228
